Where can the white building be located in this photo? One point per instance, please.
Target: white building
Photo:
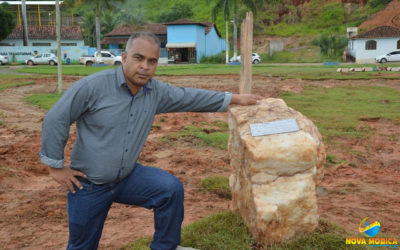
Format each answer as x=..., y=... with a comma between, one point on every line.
x=363, y=48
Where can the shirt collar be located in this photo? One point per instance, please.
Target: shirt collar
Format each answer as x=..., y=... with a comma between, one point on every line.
x=121, y=80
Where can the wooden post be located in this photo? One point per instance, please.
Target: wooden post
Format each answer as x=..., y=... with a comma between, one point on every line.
x=58, y=34
x=246, y=47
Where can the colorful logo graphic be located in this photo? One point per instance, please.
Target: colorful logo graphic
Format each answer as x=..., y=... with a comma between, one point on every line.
x=369, y=230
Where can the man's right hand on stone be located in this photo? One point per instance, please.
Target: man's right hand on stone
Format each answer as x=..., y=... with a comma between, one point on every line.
x=66, y=177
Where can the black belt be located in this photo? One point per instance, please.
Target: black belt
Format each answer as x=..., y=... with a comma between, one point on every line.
x=84, y=180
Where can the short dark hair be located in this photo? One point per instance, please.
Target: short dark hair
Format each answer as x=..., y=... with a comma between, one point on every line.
x=144, y=34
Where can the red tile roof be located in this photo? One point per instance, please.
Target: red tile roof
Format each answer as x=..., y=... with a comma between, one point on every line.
x=48, y=32
x=380, y=32
x=127, y=30
x=123, y=31
x=184, y=22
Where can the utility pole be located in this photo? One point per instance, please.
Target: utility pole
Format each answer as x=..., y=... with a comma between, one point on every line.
x=226, y=43
x=24, y=24
x=58, y=33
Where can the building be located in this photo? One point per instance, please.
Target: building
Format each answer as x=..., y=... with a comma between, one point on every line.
x=378, y=35
x=42, y=33
x=117, y=38
x=182, y=41
x=363, y=48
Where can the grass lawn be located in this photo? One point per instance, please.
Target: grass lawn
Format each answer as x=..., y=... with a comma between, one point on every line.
x=307, y=72
x=227, y=231
x=337, y=111
x=7, y=84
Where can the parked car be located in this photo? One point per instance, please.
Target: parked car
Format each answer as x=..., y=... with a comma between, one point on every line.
x=3, y=60
x=44, y=58
x=106, y=58
x=389, y=57
x=256, y=59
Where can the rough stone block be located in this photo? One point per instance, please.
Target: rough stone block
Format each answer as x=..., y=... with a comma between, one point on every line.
x=274, y=178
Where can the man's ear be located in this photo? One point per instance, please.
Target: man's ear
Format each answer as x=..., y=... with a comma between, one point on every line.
x=123, y=57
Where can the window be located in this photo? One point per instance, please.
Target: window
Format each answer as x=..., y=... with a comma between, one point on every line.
x=41, y=44
x=68, y=44
x=398, y=44
x=105, y=55
x=370, y=45
x=7, y=44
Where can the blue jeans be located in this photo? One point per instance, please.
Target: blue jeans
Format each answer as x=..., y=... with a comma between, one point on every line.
x=147, y=187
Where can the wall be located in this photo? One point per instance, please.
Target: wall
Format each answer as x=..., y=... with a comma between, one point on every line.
x=383, y=46
x=23, y=53
x=53, y=43
x=214, y=44
x=181, y=33
x=201, y=42
x=275, y=46
x=188, y=33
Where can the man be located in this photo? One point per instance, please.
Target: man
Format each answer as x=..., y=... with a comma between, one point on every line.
x=114, y=110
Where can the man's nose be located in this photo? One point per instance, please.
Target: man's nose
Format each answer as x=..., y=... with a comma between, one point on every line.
x=145, y=64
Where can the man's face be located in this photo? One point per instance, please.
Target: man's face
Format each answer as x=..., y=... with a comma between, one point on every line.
x=140, y=63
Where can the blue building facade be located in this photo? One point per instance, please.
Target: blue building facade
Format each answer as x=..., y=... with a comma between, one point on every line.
x=182, y=41
x=189, y=41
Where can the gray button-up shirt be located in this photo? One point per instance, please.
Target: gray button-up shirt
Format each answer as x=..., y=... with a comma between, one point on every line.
x=112, y=124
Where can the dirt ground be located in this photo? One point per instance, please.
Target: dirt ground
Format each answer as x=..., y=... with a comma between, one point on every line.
x=33, y=206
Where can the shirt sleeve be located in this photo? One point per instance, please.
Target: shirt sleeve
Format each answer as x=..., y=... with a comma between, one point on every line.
x=179, y=99
x=57, y=122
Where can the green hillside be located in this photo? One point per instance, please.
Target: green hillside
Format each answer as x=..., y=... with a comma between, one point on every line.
x=274, y=17
x=278, y=18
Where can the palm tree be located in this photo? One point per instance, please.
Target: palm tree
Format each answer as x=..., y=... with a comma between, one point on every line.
x=100, y=4
x=227, y=6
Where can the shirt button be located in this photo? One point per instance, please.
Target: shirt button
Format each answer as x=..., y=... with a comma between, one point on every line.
x=131, y=115
x=129, y=132
x=126, y=150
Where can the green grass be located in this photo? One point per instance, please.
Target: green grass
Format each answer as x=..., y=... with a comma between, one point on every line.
x=7, y=85
x=45, y=101
x=76, y=70
x=337, y=111
x=218, y=185
x=19, y=76
x=306, y=72
x=227, y=231
x=213, y=135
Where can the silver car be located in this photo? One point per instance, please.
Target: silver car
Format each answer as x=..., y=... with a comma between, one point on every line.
x=44, y=58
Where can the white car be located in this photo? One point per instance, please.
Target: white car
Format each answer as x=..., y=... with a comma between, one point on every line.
x=106, y=58
x=3, y=60
x=44, y=58
x=389, y=57
x=256, y=59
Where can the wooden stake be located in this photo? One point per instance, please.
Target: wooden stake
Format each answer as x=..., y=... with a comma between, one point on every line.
x=246, y=51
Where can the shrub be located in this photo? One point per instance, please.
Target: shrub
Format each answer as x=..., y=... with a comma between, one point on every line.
x=218, y=58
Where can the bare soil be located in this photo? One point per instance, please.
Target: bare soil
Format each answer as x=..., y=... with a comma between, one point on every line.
x=33, y=207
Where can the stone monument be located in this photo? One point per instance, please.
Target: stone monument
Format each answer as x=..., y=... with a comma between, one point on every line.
x=274, y=177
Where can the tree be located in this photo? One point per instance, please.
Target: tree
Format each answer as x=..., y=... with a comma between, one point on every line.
x=178, y=11
x=100, y=5
x=331, y=45
x=107, y=4
x=7, y=23
x=89, y=28
x=228, y=6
